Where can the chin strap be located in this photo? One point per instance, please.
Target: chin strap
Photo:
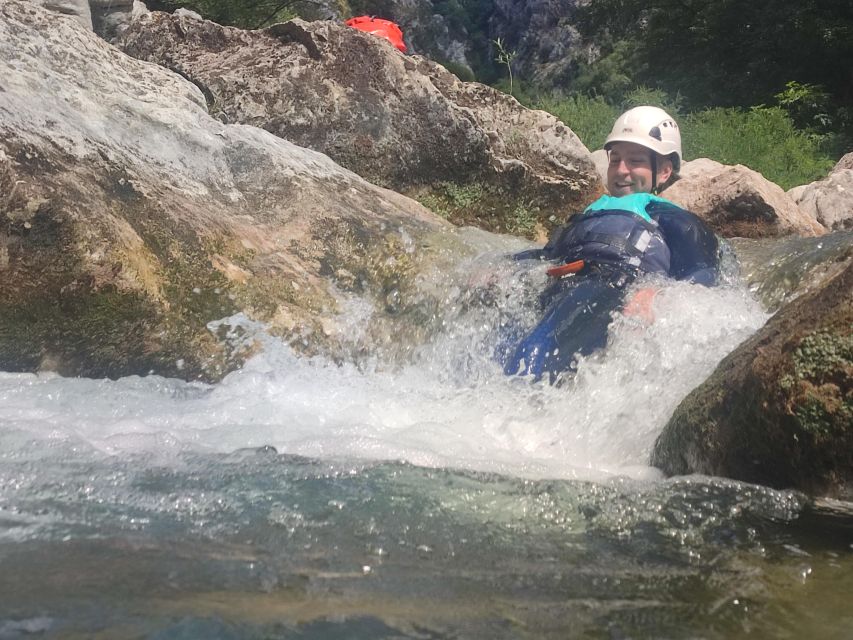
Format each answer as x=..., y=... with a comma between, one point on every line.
x=654, y=172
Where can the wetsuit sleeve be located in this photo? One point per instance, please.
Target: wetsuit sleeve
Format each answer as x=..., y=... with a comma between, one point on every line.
x=694, y=247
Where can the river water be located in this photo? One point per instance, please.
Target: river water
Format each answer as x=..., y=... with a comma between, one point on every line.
x=429, y=498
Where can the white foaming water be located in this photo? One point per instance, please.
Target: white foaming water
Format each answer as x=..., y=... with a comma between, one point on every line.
x=447, y=409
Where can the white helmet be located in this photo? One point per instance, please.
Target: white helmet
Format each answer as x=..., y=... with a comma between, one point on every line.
x=649, y=127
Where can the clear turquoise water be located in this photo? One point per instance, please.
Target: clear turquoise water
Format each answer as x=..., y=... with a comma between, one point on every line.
x=260, y=545
x=433, y=498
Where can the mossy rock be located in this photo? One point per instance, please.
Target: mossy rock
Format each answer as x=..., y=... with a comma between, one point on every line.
x=778, y=410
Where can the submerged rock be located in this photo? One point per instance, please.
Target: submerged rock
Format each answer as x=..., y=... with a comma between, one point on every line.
x=829, y=201
x=130, y=219
x=469, y=152
x=739, y=202
x=778, y=410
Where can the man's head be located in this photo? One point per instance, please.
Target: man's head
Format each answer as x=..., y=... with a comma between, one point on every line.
x=644, y=151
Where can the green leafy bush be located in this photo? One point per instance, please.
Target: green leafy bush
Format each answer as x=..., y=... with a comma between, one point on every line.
x=762, y=138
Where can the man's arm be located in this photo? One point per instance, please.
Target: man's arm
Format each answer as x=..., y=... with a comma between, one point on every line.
x=694, y=247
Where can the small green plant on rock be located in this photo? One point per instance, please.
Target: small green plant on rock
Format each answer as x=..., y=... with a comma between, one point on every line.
x=821, y=356
x=505, y=58
x=450, y=198
x=464, y=195
x=814, y=389
x=522, y=219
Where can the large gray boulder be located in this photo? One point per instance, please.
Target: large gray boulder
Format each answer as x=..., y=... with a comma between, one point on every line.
x=777, y=411
x=739, y=202
x=829, y=201
x=130, y=219
x=470, y=152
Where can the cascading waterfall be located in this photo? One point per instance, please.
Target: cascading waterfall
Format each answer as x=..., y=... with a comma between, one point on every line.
x=433, y=497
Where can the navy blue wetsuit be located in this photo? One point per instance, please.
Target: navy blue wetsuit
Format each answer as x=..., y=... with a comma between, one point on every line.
x=617, y=239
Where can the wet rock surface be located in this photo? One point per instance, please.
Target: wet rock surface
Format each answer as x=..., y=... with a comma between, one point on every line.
x=778, y=270
x=777, y=411
x=469, y=152
x=130, y=219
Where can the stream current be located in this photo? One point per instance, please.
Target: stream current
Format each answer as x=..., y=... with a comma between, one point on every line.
x=429, y=498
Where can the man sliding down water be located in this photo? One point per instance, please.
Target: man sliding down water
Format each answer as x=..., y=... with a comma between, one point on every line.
x=619, y=237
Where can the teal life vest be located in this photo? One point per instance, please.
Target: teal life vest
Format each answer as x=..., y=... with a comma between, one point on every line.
x=635, y=203
x=616, y=232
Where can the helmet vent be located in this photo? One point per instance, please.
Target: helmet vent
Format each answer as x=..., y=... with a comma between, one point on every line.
x=655, y=133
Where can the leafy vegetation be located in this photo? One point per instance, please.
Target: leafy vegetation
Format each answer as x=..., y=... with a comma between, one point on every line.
x=522, y=219
x=762, y=138
x=727, y=52
x=449, y=199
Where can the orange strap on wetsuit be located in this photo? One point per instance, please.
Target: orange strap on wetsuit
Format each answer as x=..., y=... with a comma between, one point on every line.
x=565, y=269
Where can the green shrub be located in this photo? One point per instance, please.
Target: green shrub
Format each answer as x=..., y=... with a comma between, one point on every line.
x=522, y=219
x=592, y=118
x=643, y=95
x=611, y=75
x=807, y=104
x=762, y=138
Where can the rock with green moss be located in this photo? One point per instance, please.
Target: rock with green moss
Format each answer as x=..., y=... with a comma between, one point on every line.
x=778, y=410
x=130, y=220
x=399, y=121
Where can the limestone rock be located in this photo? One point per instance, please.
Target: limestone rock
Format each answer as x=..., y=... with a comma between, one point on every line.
x=130, y=219
x=111, y=17
x=739, y=202
x=77, y=9
x=778, y=410
x=846, y=162
x=829, y=201
x=470, y=152
x=599, y=157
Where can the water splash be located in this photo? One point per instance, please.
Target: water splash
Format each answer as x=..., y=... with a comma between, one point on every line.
x=449, y=406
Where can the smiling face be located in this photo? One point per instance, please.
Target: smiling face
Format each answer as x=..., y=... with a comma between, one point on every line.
x=630, y=169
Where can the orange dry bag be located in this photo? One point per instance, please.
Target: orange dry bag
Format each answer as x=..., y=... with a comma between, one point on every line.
x=379, y=27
